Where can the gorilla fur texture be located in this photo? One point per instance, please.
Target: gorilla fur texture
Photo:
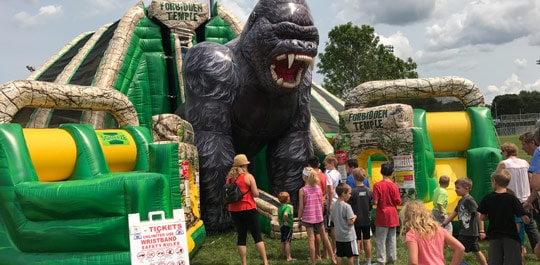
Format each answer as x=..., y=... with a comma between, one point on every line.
x=250, y=93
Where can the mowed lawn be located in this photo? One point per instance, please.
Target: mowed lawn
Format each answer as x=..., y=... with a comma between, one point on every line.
x=221, y=249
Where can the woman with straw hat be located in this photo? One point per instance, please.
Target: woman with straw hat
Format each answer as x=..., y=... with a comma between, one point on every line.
x=244, y=212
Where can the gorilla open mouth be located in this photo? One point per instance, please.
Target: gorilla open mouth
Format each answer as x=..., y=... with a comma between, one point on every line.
x=287, y=69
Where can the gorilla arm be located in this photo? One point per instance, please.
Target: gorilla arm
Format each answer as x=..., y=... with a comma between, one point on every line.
x=211, y=83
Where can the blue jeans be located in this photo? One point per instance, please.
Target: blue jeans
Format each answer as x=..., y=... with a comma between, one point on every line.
x=531, y=231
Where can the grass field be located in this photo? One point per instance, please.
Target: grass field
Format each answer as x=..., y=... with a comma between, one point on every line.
x=221, y=249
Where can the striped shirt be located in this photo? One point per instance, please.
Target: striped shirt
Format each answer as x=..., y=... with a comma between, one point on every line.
x=312, y=213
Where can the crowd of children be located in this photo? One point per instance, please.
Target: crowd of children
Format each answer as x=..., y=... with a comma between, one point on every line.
x=344, y=210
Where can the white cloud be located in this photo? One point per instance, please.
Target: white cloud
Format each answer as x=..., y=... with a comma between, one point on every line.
x=485, y=22
x=512, y=85
x=520, y=62
x=402, y=46
x=45, y=13
x=388, y=12
x=239, y=8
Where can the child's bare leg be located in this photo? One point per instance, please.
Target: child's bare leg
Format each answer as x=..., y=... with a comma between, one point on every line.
x=480, y=257
x=288, y=251
x=327, y=244
x=311, y=241
x=317, y=246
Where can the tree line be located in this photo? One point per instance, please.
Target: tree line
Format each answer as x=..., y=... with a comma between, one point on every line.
x=524, y=102
x=353, y=55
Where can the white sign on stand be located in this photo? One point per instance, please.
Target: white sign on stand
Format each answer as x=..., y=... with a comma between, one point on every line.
x=158, y=242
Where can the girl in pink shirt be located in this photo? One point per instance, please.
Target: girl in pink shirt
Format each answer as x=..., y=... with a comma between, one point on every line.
x=425, y=237
x=310, y=212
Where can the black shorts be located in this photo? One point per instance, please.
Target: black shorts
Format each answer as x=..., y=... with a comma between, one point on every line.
x=362, y=232
x=470, y=243
x=346, y=249
x=286, y=234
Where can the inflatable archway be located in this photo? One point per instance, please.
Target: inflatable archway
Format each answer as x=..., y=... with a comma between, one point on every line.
x=422, y=145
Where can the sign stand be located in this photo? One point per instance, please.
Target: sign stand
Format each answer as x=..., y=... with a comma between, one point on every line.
x=160, y=241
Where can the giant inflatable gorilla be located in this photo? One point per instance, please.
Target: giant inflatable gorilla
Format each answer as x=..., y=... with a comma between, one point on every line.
x=249, y=93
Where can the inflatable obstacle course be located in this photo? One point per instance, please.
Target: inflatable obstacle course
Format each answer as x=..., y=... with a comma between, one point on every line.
x=80, y=214
x=422, y=145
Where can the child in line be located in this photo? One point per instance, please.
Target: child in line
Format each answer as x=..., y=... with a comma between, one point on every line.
x=285, y=216
x=470, y=225
x=440, y=202
x=386, y=196
x=344, y=217
x=501, y=208
x=349, y=166
x=333, y=178
x=310, y=212
x=425, y=237
x=361, y=202
x=313, y=162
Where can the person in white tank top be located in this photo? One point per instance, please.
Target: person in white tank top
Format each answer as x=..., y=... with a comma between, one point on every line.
x=519, y=182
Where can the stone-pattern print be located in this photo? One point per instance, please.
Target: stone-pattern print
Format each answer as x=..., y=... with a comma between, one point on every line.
x=385, y=128
x=16, y=95
x=170, y=127
x=449, y=86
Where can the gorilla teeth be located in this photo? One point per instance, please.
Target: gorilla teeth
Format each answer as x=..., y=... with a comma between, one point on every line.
x=291, y=58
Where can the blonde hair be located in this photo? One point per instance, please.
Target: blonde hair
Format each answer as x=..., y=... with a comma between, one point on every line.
x=312, y=179
x=417, y=218
x=501, y=177
x=464, y=183
x=236, y=171
x=331, y=159
x=359, y=174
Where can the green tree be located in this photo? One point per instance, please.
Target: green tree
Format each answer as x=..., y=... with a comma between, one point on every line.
x=531, y=101
x=507, y=104
x=354, y=55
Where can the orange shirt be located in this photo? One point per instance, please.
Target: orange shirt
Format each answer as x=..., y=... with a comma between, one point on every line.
x=322, y=185
x=247, y=202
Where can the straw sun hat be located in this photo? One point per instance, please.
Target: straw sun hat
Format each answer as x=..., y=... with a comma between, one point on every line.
x=240, y=160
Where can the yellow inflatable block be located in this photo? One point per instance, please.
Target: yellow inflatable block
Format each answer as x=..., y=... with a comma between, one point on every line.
x=53, y=153
x=449, y=131
x=119, y=149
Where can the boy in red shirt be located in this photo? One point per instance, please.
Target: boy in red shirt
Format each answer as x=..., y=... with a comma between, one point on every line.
x=386, y=197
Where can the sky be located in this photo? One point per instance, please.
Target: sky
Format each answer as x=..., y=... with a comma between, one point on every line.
x=493, y=43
